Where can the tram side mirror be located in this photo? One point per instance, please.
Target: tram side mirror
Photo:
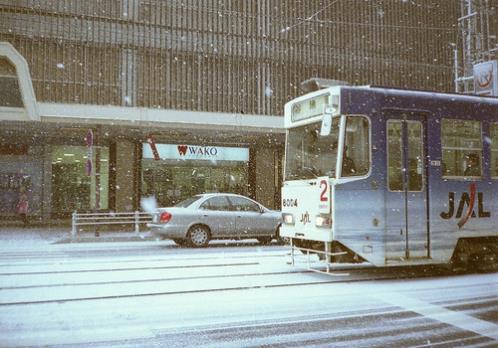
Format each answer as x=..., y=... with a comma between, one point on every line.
x=326, y=125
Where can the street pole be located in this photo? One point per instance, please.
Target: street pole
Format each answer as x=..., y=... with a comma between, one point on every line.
x=97, y=176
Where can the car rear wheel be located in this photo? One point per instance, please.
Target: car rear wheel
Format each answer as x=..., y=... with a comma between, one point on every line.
x=264, y=240
x=198, y=236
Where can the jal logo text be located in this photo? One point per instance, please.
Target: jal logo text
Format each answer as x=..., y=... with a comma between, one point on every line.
x=305, y=218
x=466, y=200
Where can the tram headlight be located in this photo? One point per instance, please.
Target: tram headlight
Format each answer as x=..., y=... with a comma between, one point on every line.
x=323, y=220
x=288, y=219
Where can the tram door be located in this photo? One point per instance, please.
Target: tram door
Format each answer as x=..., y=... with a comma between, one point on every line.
x=406, y=194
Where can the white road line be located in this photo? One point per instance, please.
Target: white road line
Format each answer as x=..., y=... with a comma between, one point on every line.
x=457, y=319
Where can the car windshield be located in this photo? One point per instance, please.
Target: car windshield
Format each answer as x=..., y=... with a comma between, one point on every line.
x=187, y=202
x=310, y=155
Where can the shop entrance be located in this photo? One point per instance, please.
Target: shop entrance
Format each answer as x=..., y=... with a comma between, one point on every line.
x=72, y=188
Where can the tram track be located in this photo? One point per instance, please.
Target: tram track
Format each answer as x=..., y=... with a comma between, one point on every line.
x=32, y=260
x=173, y=284
x=125, y=269
x=180, y=292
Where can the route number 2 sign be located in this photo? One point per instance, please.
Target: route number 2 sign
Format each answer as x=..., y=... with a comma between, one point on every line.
x=323, y=195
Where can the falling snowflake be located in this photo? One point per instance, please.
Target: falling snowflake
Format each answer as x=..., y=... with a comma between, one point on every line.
x=268, y=91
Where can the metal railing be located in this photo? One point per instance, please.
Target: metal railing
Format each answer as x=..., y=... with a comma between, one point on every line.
x=99, y=219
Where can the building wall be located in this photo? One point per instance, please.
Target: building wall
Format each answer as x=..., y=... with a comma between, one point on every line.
x=245, y=56
x=265, y=177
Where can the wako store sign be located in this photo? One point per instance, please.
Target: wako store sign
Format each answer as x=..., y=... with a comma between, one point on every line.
x=195, y=152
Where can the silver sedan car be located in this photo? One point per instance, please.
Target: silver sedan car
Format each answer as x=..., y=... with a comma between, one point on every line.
x=197, y=220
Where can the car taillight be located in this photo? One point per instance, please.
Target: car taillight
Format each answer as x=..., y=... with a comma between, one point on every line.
x=165, y=217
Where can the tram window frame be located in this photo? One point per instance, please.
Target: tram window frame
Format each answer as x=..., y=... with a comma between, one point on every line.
x=493, y=135
x=453, y=147
x=366, y=145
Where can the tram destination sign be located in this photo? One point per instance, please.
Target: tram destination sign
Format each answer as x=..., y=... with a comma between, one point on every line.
x=309, y=108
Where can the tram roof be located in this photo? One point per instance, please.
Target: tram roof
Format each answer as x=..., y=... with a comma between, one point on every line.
x=425, y=94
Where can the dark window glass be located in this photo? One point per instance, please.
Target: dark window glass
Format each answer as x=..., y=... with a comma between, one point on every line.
x=461, y=148
x=494, y=149
x=219, y=203
x=243, y=204
x=10, y=94
x=186, y=202
x=356, y=155
x=396, y=161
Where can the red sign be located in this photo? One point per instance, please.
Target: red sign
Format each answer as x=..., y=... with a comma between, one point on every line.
x=152, y=143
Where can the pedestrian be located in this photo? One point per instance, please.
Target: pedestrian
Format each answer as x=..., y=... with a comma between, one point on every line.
x=22, y=208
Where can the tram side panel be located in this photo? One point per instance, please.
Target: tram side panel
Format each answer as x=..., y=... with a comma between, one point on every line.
x=359, y=206
x=359, y=219
x=461, y=208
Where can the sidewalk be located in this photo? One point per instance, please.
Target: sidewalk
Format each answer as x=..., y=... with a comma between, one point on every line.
x=10, y=235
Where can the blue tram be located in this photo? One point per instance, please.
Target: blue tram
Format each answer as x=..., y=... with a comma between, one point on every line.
x=391, y=176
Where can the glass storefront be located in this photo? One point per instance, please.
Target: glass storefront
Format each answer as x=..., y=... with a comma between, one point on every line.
x=72, y=187
x=177, y=172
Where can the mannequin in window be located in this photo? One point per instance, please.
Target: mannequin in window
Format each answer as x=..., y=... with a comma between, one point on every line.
x=473, y=165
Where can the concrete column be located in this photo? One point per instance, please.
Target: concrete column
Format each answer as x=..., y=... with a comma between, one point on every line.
x=46, y=194
x=265, y=177
x=130, y=11
x=125, y=159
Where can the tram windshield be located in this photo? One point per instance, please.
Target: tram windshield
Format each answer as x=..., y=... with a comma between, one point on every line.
x=310, y=155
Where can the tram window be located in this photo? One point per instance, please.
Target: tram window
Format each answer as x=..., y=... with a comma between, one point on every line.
x=356, y=156
x=461, y=145
x=494, y=150
x=414, y=151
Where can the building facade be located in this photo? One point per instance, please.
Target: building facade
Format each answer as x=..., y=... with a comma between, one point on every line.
x=103, y=102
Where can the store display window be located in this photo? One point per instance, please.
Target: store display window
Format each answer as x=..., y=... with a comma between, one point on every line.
x=73, y=186
x=186, y=170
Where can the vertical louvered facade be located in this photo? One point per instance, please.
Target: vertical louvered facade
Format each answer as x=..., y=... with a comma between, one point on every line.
x=239, y=56
x=204, y=75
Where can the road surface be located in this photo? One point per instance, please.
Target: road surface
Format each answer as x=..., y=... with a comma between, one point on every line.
x=157, y=294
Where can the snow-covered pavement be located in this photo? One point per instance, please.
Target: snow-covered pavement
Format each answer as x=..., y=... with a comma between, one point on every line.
x=154, y=293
